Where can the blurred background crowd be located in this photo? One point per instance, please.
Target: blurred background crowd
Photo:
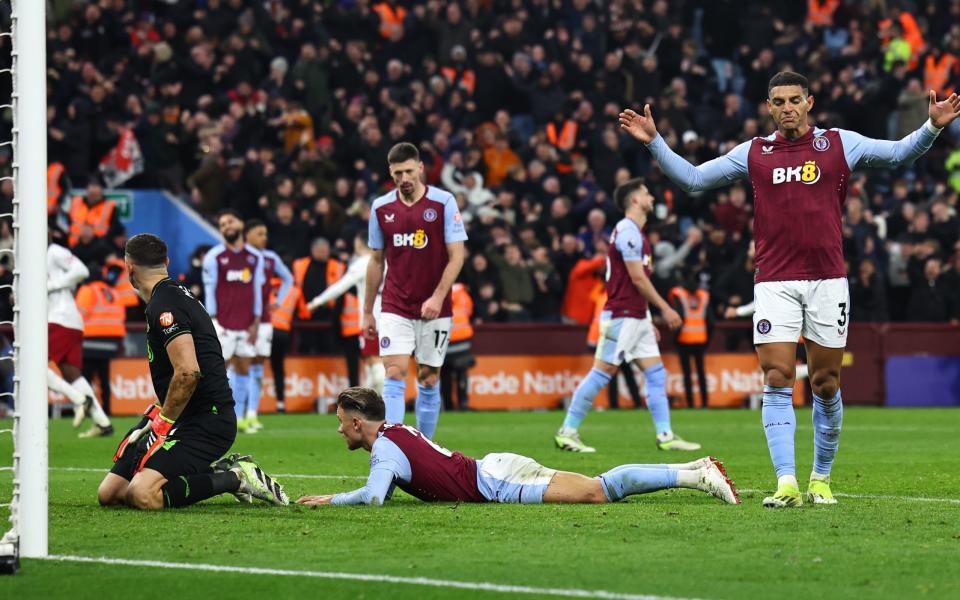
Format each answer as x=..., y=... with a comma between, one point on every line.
x=285, y=110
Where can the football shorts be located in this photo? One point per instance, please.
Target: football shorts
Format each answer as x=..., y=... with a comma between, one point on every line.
x=512, y=479
x=819, y=310
x=426, y=340
x=234, y=342
x=264, y=340
x=626, y=339
x=65, y=345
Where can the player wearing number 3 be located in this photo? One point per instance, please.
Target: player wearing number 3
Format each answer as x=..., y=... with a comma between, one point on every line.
x=417, y=233
x=627, y=333
x=799, y=176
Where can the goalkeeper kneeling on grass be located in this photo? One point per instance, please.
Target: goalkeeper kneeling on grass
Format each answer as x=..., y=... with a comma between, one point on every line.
x=168, y=459
x=402, y=457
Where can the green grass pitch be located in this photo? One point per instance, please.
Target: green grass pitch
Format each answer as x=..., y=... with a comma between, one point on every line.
x=896, y=535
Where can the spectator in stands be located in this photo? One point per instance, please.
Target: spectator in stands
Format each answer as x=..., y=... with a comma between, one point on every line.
x=868, y=297
x=930, y=300
x=95, y=210
x=516, y=280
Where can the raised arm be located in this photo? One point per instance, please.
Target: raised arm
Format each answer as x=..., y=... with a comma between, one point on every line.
x=210, y=272
x=286, y=277
x=714, y=173
x=354, y=275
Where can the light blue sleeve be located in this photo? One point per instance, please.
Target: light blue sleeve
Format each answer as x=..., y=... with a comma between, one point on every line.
x=259, y=280
x=861, y=151
x=630, y=243
x=714, y=173
x=286, y=277
x=387, y=464
x=210, y=277
x=453, y=230
x=374, y=233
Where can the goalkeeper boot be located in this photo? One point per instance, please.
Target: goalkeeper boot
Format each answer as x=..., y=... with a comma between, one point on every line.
x=818, y=492
x=714, y=481
x=229, y=462
x=786, y=496
x=569, y=440
x=97, y=431
x=80, y=412
x=258, y=484
x=672, y=441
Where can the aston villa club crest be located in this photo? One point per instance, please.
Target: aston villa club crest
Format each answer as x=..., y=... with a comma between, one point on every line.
x=430, y=215
x=821, y=144
x=764, y=326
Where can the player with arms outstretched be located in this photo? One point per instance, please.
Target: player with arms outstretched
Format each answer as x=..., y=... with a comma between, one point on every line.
x=165, y=460
x=356, y=277
x=255, y=232
x=799, y=176
x=627, y=333
x=416, y=230
x=401, y=456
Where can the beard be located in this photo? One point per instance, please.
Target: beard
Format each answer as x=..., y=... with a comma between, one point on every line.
x=231, y=237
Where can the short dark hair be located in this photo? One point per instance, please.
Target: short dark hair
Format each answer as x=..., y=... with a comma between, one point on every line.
x=621, y=195
x=362, y=400
x=146, y=250
x=402, y=152
x=788, y=78
x=252, y=224
x=229, y=211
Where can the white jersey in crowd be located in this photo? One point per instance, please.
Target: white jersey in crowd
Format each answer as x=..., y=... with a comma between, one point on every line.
x=356, y=275
x=64, y=273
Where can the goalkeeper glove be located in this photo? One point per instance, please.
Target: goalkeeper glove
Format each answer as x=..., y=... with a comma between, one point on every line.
x=154, y=437
x=134, y=434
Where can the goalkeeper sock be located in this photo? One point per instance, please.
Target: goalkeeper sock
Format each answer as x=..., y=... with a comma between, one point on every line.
x=427, y=408
x=627, y=480
x=96, y=411
x=827, y=419
x=393, y=392
x=256, y=386
x=657, y=398
x=60, y=385
x=780, y=425
x=583, y=397
x=185, y=490
x=240, y=386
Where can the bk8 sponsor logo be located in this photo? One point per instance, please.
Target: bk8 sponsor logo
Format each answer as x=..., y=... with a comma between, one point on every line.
x=417, y=239
x=808, y=173
x=241, y=275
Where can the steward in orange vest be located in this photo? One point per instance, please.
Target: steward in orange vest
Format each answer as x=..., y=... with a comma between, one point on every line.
x=693, y=304
x=57, y=186
x=350, y=312
x=562, y=135
x=281, y=317
x=122, y=288
x=94, y=210
x=820, y=12
x=391, y=16
x=459, y=358
x=939, y=70
x=104, y=328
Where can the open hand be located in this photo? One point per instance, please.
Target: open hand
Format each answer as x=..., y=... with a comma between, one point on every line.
x=944, y=112
x=641, y=127
x=315, y=500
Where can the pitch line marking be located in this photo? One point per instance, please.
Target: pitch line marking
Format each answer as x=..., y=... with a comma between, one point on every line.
x=424, y=581
x=747, y=490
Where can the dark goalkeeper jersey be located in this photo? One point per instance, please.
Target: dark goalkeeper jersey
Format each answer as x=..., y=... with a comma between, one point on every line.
x=172, y=312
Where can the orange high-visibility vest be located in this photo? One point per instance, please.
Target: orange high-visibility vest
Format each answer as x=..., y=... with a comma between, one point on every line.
x=103, y=315
x=820, y=12
x=911, y=34
x=282, y=317
x=936, y=74
x=54, y=173
x=694, y=329
x=122, y=288
x=566, y=139
x=599, y=296
x=350, y=315
x=98, y=216
x=391, y=18
x=462, y=311
x=583, y=279
x=468, y=78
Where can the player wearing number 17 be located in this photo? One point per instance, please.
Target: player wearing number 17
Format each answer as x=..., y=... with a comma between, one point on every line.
x=417, y=232
x=799, y=175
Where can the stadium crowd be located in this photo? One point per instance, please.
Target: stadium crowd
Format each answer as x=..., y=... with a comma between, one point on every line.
x=284, y=111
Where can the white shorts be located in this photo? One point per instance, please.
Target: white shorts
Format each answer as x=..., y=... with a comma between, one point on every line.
x=264, y=340
x=625, y=339
x=426, y=340
x=819, y=310
x=511, y=478
x=234, y=342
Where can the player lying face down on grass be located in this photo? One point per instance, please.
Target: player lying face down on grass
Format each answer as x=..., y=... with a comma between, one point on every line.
x=167, y=459
x=402, y=457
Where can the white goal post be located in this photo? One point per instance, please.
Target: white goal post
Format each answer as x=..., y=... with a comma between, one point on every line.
x=28, y=504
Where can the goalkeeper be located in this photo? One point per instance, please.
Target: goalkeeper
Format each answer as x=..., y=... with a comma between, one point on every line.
x=165, y=461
